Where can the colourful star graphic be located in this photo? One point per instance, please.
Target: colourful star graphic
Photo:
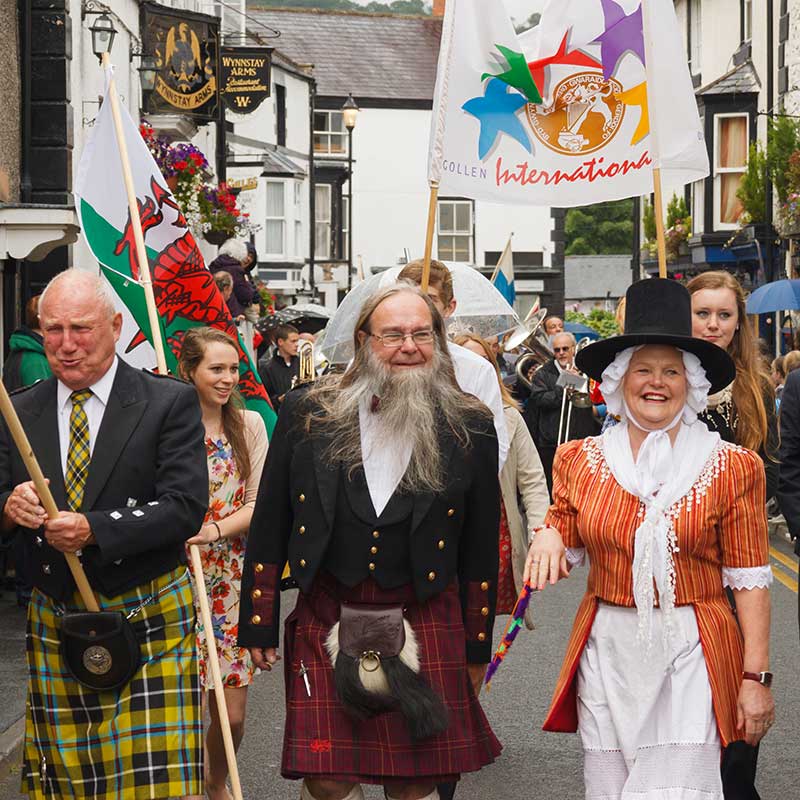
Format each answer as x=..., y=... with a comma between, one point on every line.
x=518, y=76
x=576, y=57
x=496, y=111
x=637, y=96
x=622, y=34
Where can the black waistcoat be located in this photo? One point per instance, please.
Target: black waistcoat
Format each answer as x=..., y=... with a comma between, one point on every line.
x=364, y=544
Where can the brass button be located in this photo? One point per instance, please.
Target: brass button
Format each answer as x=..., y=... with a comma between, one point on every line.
x=431, y=576
x=485, y=611
x=259, y=568
x=373, y=550
x=441, y=544
x=255, y=619
x=371, y=567
x=450, y=512
x=302, y=562
x=302, y=498
x=255, y=594
x=481, y=637
x=301, y=529
x=485, y=586
x=376, y=534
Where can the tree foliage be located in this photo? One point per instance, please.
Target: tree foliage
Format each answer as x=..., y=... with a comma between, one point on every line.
x=375, y=7
x=783, y=140
x=752, y=189
x=602, y=229
x=604, y=322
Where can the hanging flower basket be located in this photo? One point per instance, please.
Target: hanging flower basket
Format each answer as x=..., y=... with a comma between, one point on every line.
x=217, y=237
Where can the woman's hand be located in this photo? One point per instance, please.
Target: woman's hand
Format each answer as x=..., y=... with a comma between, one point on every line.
x=755, y=711
x=264, y=657
x=547, y=558
x=208, y=534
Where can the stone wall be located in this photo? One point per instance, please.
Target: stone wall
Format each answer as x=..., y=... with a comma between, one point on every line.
x=10, y=103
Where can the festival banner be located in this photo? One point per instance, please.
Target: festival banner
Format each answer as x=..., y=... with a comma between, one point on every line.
x=568, y=113
x=185, y=292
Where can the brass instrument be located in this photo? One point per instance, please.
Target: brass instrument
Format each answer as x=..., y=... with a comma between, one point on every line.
x=532, y=337
x=574, y=396
x=307, y=374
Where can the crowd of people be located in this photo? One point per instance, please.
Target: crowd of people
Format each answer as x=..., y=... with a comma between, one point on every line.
x=410, y=496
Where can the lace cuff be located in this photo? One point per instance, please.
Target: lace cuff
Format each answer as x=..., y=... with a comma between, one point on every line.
x=576, y=556
x=747, y=577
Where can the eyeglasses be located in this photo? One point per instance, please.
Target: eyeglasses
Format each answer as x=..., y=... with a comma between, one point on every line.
x=395, y=339
x=562, y=349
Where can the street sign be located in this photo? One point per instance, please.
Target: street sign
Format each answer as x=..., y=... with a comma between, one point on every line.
x=245, y=76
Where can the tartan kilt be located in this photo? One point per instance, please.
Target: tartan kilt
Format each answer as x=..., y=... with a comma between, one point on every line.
x=322, y=740
x=142, y=741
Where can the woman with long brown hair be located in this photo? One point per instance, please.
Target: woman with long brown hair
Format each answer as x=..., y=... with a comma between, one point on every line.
x=744, y=411
x=236, y=445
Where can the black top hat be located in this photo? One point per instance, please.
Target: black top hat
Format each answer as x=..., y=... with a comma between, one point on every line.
x=658, y=311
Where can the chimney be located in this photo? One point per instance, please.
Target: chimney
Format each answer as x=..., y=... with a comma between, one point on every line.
x=438, y=8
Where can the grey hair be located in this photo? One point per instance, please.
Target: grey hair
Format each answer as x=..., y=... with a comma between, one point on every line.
x=563, y=333
x=91, y=281
x=223, y=279
x=235, y=248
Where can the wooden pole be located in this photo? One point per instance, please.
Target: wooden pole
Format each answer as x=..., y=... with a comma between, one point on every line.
x=658, y=209
x=43, y=490
x=136, y=222
x=426, y=262
x=213, y=665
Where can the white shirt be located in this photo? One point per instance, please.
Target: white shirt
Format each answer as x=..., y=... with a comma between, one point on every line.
x=95, y=407
x=476, y=376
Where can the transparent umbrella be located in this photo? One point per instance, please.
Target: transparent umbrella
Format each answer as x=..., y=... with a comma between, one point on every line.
x=480, y=309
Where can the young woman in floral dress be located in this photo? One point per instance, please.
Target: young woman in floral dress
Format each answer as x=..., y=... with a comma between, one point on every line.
x=236, y=445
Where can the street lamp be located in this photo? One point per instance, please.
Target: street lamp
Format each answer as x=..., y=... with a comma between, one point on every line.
x=147, y=70
x=103, y=33
x=349, y=113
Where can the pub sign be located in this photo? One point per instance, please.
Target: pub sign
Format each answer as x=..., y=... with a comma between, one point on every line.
x=185, y=49
x=245, y=77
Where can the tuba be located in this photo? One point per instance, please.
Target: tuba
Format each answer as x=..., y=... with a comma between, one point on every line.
x=307, y=374
x=531, y=336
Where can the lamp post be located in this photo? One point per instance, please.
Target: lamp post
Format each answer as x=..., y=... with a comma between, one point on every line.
x=147, y=70
x=350, y=113
x=103, y=33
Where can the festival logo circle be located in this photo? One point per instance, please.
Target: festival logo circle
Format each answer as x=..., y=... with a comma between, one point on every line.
x=584, y=116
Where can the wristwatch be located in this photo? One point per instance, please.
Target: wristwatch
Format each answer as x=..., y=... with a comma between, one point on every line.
x=764, y=678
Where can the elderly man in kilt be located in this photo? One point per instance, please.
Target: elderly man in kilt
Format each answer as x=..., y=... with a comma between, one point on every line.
x=123, y=451
x=381, y=490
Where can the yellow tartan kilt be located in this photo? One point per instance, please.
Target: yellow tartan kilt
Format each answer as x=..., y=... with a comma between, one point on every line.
x=142, y=741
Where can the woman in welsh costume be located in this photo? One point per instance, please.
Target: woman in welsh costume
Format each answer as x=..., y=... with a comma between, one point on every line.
x=658, y=678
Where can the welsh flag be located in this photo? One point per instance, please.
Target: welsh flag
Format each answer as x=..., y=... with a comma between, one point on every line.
x=578, y=110
x=185, y=293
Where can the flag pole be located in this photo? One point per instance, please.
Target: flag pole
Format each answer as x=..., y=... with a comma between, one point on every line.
x=500, y=260
x=136, y=222
x=426, y=261
x=658, y=210
x=43, y=490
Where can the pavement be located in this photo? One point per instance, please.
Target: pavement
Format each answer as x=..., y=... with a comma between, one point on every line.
x=533, y=763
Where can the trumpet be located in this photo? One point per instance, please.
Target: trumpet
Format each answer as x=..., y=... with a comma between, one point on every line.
x=307, y=373
x=576, y=395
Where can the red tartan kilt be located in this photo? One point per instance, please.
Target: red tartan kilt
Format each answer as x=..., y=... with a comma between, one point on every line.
x=322, y=740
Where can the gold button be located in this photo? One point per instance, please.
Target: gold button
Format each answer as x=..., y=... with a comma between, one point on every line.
x=450, y=512
x=485, y=586
x=302, y=529
x=371, y=567
x=302, y=498
x=431, y=576
x=485, y=611
x=259, y=567
x=481, y=637
x=255, y=619
x=376, y=534
x=441, y=544
x=302, y=562
x=373, y=550
x=255, y=594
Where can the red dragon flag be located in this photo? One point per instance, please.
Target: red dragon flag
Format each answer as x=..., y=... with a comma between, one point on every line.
x=185, y=292
x=578, y=110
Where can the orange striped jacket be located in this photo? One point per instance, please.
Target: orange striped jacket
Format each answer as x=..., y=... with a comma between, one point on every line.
x=720, y=523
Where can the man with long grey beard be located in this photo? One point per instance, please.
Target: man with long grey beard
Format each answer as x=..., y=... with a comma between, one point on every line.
x=381, y=491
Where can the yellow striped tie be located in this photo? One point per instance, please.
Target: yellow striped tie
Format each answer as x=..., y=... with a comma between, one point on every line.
x=79, y=453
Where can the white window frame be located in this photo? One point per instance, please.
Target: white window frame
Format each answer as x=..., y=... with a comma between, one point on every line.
x=698, y=207
x=718, y=171
x=455, y=233
x=298, y=219
x=318, y=253
x=748, y=20
x=281, y=219
x=695, y=34
x=329, y=133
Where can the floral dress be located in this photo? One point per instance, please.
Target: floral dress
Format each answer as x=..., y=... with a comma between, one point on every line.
x=223, y=560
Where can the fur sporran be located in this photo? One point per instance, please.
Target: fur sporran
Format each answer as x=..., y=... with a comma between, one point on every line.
x=375, y=657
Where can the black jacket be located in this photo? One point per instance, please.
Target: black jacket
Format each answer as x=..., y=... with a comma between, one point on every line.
x=453, y=535
x=147, y=487
x=244, y=290
x=543, y=410
x=277, y=376
x=789, y=482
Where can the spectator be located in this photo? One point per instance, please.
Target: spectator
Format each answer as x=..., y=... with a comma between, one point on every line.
x=553, y=325
x=224, y=281
x=26, y=362
x=791, y=361
x=778, y=375
x=279, y=371
x=231, y=258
